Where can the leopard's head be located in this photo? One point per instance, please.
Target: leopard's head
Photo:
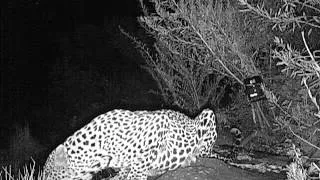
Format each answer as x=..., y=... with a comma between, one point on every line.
x=206, y=131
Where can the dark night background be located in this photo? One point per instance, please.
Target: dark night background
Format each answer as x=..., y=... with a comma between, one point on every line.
x=64, y=62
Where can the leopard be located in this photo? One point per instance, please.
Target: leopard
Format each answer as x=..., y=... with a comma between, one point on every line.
x=137, y=143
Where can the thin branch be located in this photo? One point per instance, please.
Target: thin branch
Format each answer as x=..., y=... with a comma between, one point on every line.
x=306, y=45
x=264, y=13
x=308, y=6
x=311, y=55
x=302, y=139
x=210, y=49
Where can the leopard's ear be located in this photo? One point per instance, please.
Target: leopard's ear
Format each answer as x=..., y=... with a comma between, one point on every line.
x=206, y=118
x=60, y=156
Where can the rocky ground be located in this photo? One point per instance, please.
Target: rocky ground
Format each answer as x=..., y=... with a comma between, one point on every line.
x=213, y=169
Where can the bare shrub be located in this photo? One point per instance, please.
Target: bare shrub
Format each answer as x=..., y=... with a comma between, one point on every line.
x=294, y=94
x=197, y=45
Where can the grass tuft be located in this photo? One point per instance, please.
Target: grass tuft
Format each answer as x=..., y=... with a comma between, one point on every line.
x=29, y=172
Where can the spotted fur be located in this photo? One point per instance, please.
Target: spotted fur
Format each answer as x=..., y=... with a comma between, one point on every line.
x=139, y=143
